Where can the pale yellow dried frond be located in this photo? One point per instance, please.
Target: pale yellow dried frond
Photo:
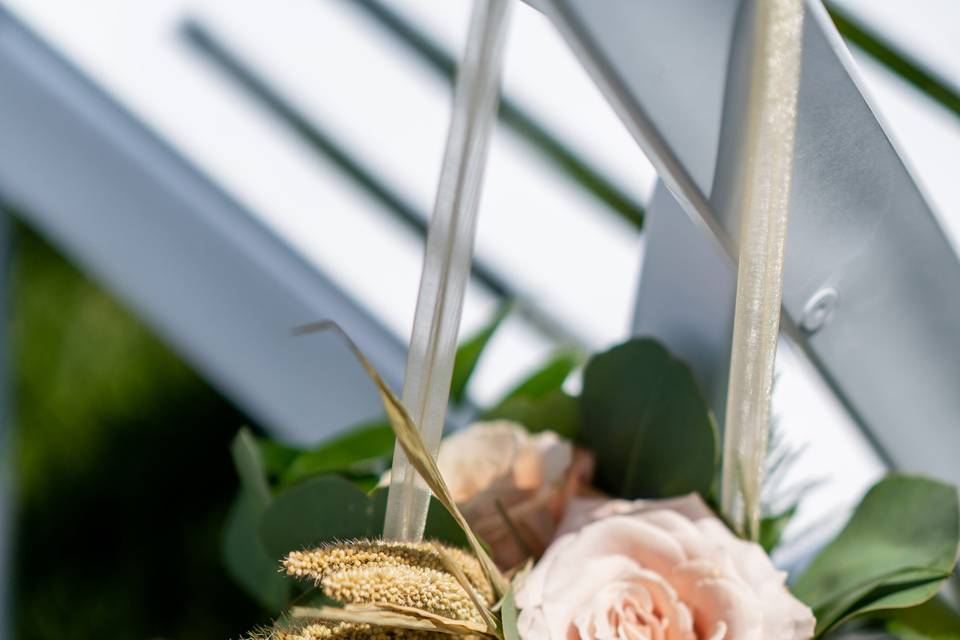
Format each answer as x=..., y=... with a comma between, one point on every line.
x=352, y=631
x=359, y=569
x=394, y=616
x=415, y=587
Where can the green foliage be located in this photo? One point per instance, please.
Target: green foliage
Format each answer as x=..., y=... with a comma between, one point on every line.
x=276, y=456
x=117, y=524
x=772, y=528
x=469, y=353
x=556, y=411
x=547, y=379
x=895, y=552
x=245, y=558
x=508, y=611
x=320, y=495
x=421, y=459
x=244, y=555
x=328, y=508
x=318, y=510
x=932, y=620
x=358, y=453
x=315, y=507
x=440, y=524
x=249, y=465
x=647, y=424
x=539, y=402
x=82, y=365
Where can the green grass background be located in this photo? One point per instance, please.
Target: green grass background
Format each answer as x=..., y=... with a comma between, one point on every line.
x=123, y=475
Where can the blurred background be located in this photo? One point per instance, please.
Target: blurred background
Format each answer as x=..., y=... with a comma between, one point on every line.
x=324, y=122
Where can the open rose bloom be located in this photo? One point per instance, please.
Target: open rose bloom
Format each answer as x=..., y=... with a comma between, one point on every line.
x=656, y=570
x=499, y=472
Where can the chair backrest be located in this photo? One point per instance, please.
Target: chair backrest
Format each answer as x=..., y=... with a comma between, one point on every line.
x=872, y=284
x=210, y=278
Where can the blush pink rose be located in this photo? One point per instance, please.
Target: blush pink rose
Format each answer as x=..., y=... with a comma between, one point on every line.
x=656, y=570
x=496, y=466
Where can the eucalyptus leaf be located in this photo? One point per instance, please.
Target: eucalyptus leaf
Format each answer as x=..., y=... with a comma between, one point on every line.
x=898, y=547
x=246, y=561
x=899, y=589
x=362, y=451
x=366, y=482
x=772, y=528
x=318, y=510
x=645, y=420
x=276, y=456
x=245, y=558
x=933, y=620
x=508, y=616
x=899, y=595
x=249, y=465
x=331, y=508
x=539, y=402
x=469, y=353
x=556, y=411
x=547, y=379
x=441, y=526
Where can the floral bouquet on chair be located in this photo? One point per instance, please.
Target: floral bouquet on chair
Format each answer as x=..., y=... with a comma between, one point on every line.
x=570, y=517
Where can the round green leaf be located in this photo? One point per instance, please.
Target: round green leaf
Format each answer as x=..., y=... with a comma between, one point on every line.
x=244, y=557
x=895, y=552
x=249, y=466
x=319, y=510
x=331, y=508
x=644, y=418
x=934, y=620
x=555, y=411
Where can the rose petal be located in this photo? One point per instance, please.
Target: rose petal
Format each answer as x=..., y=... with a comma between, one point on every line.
x=715, y=598
x=584, y=510
x=497, y=467
x=661, y=571
x=567, y=592
x=650, y=546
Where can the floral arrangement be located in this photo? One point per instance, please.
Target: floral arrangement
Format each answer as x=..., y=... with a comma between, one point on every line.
x=560, y=517
x=591, y=516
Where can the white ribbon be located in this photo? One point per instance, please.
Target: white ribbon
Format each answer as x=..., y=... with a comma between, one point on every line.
x=765, y=188
x=446, y=263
